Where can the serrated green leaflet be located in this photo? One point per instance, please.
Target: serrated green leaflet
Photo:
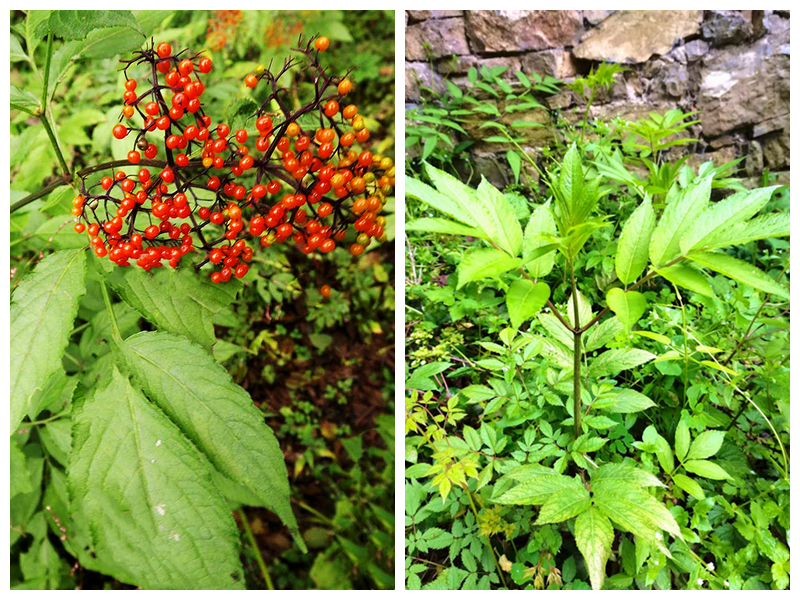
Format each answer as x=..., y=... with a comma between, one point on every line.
x=484, y=262
x=564, y=504
x=687, y=277
x=710, y=228
x=634, y=510
x=602, y=333
x=706, y=444
x=217, y=415
x=623, y=400
x=536, y=485
x=683, y=208
x=436, y=225
x=502, y=224
x=634, y=242
x=689, y=485
x=594, y=535
x=740, y=271
x=439, y=201
x=612, y=362
x=187, y=308
x=540, y=224
x=707, y=469
x=628, y=306
x=614, y=473
x=43, y=309
x=524, y=299
x=157, y=519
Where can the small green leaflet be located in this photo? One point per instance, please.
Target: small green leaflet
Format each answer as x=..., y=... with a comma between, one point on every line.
x=540, y=225
x=43, y=310
x=593, y=536
x=683, y=208
x=689, y=485
x=682, y=439
x=445, y=226
x=687, y=277
x=502, y=224
x=441, y=202
x=157, y=519
x=740, y=271
x=524, y=299
x=632, y=249
x=564, y=504
x=612, y=362
x=707, y=469
x=628, y=306
x=706, y=444
x=484, y=262
x=535, y=485
x=217, y=415
x=515, y=162
x=623, y=400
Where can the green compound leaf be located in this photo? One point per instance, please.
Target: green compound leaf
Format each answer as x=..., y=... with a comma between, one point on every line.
x=682, y=439
x=524, y=299
x=613, y=473
x=157, y=519
x=634, y=510
x=594, y=535
x=687, y=277
x=43, y=309
x=628, y=306
x=217, y=415
x=176, y=300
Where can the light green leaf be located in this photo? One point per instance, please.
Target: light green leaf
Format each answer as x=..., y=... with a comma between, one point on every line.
x=556, y=329
x=634, y=510
x=687, y=277
x=707, y=469
x=683, y=208
x=612, y=362
x=217, y=415
x=157, y=519
x=689, y=485
x=628, y=306
x=564, y=504
x=710, y=229
x=619, y=474
x=484, y=262
x=706, y=444
x=43, y=310
x=441, y=202
x=602, y=333
x=740, y=271
x=175, y=300
x=758, y=228
x=24, y=100
x=632, y=250
x=535, y=484
x=77, y=24
x=502, y=224
x=594, y=536
x=585, y=313
x=437, y=225
x=588, y=443
x=541, y=223
x=524, y=299
x=464, y=197
x=623, y=400
x=682, y=439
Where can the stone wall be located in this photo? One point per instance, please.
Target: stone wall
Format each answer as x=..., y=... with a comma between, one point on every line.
x=731, y=66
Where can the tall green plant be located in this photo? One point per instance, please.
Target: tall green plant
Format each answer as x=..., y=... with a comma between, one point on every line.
x=681, y=245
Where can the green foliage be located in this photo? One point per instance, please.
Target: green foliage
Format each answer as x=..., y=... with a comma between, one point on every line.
x=612, y=391
x=150, y=408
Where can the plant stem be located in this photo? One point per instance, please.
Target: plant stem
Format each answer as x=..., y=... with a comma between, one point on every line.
x=488, y=541
x=111, y=318
x=44, y=115
x=260, y=559
x=576, y=349
x=586, y=114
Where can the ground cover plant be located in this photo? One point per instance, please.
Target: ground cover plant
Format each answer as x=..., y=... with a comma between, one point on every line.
x=201, y=298
x=597, y=367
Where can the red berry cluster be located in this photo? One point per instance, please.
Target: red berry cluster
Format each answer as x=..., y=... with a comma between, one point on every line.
x=289, y=175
